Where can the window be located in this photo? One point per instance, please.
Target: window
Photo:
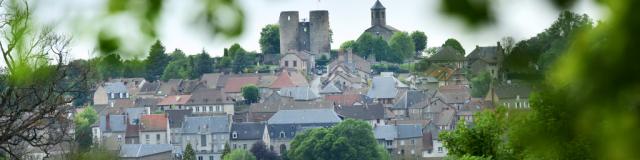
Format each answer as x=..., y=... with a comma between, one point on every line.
x=147, y=138
x=119, y=138
x=158, y=137
x=244, y=146
x=210, y=157
x=402, y=142
x=203, y=140
x=234, y=135
x=295, y=63
x=413, y=141
x=439, y=149
x=389, y=142
x=286, y=63
x=200, y=158
x=282, y=135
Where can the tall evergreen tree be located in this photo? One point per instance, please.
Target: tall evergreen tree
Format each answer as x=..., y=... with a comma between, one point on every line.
x=189, y=153
x=202, y=64
x=156, y=61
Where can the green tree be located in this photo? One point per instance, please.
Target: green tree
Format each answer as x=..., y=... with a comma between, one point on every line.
x=260, y=150
x=270, y=39
x=156, y=62
x=480, y=84
x=455, y=45
x=251, y=93
x=350, y=44
x=482, y=139
x=97, y=153
x=226, y=150
x=350, y=139
x=202, y=63
x=419, y=41
x=239, y=154
x=110, y=66
x=402, y=45
x=133, y=68
x=189, y=153
x=178, y=69
x=83, y=121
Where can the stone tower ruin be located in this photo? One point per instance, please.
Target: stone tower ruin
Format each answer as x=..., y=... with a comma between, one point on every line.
x=312, y=36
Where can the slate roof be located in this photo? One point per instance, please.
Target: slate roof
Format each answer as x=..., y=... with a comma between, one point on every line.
x=447, y=53
x=383, y=87
x=150, y=88
x=275, y=102
x=377, y=5
x=115, y=87
x=457, y=94
x=134, y=114
x=210, y=80
x=147, y=102
x=343, y=99
x=154, y=122
x=488, y=54
x=399, y=131
x=414, y=98
x=235, y=84
x=208, y=96
x=446, y=117
x=409, y=131
x=304, y=116
x=143, y=150
x=247, y=130
x=116, y=123
x=206, y=124
x=170, y=87
x=298, y=93
x=174, y=100
x=362, y=112
x=386, y=132
x=511, y=91
x=330, y=89
x=176, y=117
x=351, y=62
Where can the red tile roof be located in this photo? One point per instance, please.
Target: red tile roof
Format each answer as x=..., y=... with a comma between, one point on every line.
x=174, y=100
x=235, y=84
x=283, y=80
x=154, y=122
x=343, y=99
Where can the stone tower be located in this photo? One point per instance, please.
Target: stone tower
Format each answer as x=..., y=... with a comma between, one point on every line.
x=378, y=16
x=288, y=31
x=319, y=35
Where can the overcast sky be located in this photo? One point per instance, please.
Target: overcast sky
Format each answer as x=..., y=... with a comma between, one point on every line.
x=348, y=19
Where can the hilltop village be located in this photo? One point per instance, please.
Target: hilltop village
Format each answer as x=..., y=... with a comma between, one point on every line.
x=306, y=85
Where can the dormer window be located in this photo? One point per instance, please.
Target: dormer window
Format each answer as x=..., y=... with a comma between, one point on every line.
x=234, y=135
x=282, y=134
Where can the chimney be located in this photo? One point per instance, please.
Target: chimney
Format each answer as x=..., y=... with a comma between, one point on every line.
x=499, y=44
x=108, y=127
x=349, y=55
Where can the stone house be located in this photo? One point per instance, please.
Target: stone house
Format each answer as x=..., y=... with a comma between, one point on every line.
x=210, y=101
x=448, y=56
x=172, y=102
x=510, y=95
x=207, y=135
x=486, y=59
x=433, y=148
x=400, y=140
x=384, y=89
x=154, y=129
x=176, y=118
x=300, y=61
x=245, y=134
x=110, y=131
x=108, y=92
x=371, y=113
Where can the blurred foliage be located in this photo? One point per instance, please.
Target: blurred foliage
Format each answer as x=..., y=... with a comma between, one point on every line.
x=480, y=138
x=472, y=12
x=587, y=105
x=270, y=39
x=97, y=153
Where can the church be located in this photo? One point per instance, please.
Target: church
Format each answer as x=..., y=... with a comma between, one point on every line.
x=379, y=25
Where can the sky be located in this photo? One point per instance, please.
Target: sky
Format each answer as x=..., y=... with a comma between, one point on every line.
x=520, y=19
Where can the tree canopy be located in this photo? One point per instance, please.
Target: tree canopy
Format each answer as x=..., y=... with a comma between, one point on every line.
x=455, y=45
x=189, y=153
x=350, y=139
x=270, y=39
x=239, y=154
x=156, y=61
x=260, y=150
x=419, y=41
x=402, y=46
